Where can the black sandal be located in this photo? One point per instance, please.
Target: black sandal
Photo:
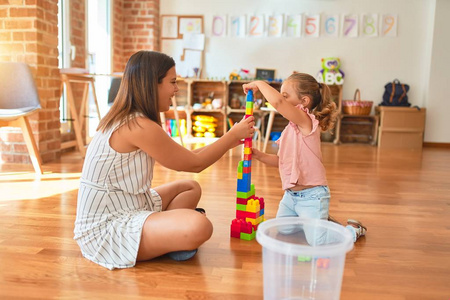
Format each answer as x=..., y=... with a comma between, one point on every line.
x=200, y=210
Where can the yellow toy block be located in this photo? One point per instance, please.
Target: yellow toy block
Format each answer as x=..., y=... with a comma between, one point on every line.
x=253, y=205
x=247, y=150
x=251, y=220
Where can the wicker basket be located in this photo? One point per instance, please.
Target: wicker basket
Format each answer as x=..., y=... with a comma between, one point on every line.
x=356, y=106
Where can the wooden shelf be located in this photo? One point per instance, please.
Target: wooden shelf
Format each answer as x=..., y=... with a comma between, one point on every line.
x=353, y=128
x=401, y=127
x=359, y=129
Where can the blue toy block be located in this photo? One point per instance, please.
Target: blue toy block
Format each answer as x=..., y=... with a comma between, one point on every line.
x=243, y=185
x=249, y=96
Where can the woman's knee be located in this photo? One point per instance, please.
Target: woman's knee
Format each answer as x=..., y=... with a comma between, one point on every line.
x=195, y=187
x=201, y=229
x=191, y=186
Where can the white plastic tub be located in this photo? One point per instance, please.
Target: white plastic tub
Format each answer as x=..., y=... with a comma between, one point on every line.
x=303, y=258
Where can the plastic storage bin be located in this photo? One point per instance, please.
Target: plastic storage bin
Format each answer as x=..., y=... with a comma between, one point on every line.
x=303, y=258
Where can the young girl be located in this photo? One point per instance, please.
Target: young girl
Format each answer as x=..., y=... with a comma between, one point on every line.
x=120, y=218
x=308, y=106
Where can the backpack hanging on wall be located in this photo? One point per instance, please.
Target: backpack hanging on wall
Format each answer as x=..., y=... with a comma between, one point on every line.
x=395, y=94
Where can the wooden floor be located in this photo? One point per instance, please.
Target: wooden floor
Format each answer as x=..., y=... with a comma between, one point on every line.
x=403, y=197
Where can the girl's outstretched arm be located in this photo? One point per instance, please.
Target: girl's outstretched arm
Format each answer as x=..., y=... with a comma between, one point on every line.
x=151, y=138
x=268, y=159
x=285, y=108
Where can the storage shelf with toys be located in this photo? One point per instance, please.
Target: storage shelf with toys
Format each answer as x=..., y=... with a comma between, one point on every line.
x=206, y=108
x=208, y=112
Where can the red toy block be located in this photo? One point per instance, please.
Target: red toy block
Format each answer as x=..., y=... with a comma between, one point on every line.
x=323, y=263
x=261, y=203
x=246, y=214
x=248, y=143
x=246, y=227
x=241, y=201
x=235, y=234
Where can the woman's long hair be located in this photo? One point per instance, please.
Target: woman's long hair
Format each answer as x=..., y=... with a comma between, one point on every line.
x=138, y=92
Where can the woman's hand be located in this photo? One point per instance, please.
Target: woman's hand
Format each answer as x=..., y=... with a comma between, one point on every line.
x=242, y=130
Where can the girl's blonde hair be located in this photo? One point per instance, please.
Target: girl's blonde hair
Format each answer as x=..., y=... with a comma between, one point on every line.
x=138, y=91
x=323, y=107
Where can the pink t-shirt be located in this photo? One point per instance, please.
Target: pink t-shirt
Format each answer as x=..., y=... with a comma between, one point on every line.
x=300, y=157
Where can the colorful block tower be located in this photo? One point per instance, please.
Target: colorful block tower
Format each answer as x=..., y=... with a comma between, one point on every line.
x=249, y=208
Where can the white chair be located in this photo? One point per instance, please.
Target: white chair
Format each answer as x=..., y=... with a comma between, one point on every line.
x=18, y=99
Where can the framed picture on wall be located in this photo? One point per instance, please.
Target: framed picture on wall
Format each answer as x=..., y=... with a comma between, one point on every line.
x=169, y=27
x=265, y=74
x=189, y=24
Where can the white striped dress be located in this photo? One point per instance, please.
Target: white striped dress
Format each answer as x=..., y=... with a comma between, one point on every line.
x=114, y=200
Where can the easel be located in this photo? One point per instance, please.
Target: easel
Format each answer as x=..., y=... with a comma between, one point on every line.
x=78, y=118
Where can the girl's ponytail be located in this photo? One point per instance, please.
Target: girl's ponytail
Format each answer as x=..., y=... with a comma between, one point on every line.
x=323, y=107
x=326, y=111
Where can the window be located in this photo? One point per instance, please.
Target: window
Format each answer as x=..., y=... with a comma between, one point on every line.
x=99, y=57
x=64, y=53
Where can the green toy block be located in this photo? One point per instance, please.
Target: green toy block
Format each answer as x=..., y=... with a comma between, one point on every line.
x=304, y=258
x=248, y=236
x=240, y=166
x=241, y=207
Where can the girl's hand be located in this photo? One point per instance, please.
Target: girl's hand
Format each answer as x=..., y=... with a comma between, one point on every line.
x=256, y=154
x=250, y=86
x=244, y=129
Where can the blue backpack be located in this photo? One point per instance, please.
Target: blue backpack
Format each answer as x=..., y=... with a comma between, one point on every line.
x=395, y=94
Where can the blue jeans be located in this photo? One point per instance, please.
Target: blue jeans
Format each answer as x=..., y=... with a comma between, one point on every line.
x=310, y=203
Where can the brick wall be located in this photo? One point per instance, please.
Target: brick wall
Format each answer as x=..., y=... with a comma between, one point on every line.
x=119, y=60
x=136, y=27
x=29, y=33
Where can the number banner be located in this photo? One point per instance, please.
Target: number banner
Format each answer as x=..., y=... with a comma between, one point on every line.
x=294, y=25
x=312, y=25
x=256, y=26
x=389, y=25
x=369, y=25
x=237, y=26
x=350, y=26
x=307, y=25
x=275, y=26
x=330, y=26
x=219, y=26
